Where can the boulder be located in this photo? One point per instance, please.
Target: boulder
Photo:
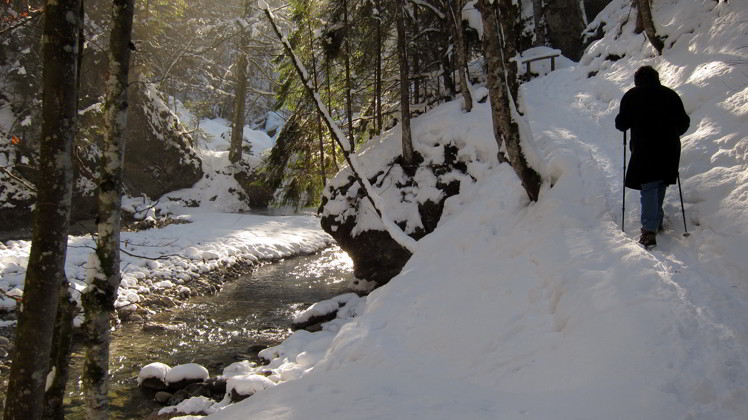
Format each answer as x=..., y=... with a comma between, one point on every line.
x=254, y=192
x=159, y=157
x=154, y=384
x=376, y=256
x=178, y=397
x=162, y=397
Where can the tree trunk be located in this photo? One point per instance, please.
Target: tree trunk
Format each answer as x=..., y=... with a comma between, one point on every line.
x=320, y=135
x=402, y=48
x=237, y=123
x=416, y=62
x=537, y=13
x=98, y=299
x=498, y=76
x=565, y=21
x=46, y=267
x=348, y=84
x=62, y=344
x=645, y=14
x=378, y=71
x=455, y=12
x=62, y=338
x=329, y=106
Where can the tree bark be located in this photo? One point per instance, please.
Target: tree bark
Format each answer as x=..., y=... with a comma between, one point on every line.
x=378, y=71
x=62, y=344
x=565, y=21
x=416, y=62
x=103, y=282
x=329, y=106
x=62, y=338
x=46, y=267
x=455, y=13
x=348, y=84
x=320, y=135
x=537, y=13
x=237, y=123
x=645, y=14
x=402, y=48
x=500, y=78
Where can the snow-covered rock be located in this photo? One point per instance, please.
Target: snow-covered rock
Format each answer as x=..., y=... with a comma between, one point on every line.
x=242, y=386
x=156, y=371
x=189, y=372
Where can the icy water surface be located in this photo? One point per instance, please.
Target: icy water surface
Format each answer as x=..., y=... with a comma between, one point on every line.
x=215, y=331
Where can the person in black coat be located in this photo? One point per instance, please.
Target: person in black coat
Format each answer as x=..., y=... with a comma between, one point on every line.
x=657, y=119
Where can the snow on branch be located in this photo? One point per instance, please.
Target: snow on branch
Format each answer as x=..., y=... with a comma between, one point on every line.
x=376, y=201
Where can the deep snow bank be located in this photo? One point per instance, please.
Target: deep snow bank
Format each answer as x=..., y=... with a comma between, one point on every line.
x=548, y=311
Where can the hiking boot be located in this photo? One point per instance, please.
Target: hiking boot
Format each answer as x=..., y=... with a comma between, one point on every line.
x=648, y=239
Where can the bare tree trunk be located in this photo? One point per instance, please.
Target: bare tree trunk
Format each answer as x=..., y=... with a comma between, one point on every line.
x=402, y=48
x=537, y=13
x=499, y=79
x=62, y=343
x=46, y=267
x=378, y=71
x=455, y=12
x=103, y=283
x=645, y=14
x=319, y=117
x=416, y=63
x=329, y=106
x=62, y=338
x=348, y=84
x=237, y=123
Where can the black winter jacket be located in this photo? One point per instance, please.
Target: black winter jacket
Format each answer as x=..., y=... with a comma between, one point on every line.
x=657, y=119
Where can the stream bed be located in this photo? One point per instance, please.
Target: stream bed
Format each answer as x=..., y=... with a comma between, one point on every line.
x=247, y=315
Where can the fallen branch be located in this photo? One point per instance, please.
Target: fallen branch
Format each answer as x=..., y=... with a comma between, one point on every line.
x=19, y=179
x=376, y=201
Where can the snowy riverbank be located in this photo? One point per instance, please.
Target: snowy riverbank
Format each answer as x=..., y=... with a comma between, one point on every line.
x=179, y=253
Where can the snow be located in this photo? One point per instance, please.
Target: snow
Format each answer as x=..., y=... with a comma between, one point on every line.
x=325, y=307
x=247, y=384
x=188, y=371
x=548, y=311
x=156, y=370
x=194, y=405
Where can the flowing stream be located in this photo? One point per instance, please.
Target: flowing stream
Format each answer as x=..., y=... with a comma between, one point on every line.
x=248, y=314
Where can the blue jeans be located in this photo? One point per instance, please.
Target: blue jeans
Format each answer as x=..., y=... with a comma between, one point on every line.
x=652, y=197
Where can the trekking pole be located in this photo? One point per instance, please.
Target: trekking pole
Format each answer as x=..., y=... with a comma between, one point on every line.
x=682, y=209
x=623, y=185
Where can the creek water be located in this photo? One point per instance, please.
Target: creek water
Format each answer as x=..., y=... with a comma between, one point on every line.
x=249, y=313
